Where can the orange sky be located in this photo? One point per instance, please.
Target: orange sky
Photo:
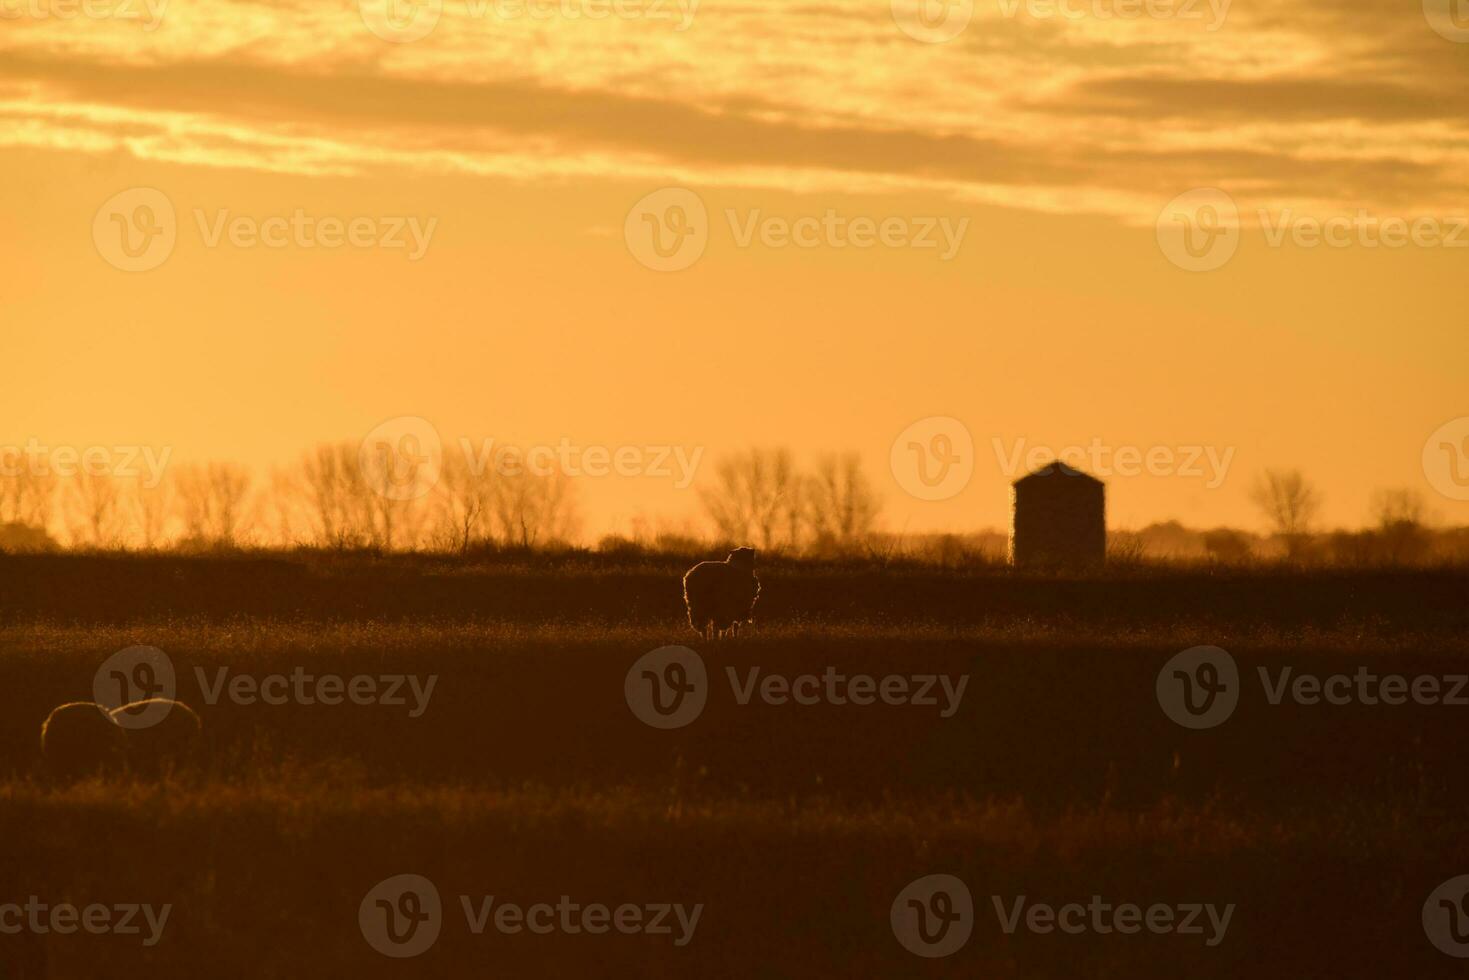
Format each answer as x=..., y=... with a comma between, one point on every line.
x=524, y=142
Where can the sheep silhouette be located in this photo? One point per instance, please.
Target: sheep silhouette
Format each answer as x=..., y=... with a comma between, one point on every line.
x=720, y=595
x=172, y=741
x=81, y=739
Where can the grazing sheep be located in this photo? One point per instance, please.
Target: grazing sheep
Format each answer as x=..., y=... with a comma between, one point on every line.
x=721, y=594
x=172, y=741
x=79, y=739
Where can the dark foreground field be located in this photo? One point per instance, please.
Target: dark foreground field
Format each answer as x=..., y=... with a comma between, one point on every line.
x=526, y=776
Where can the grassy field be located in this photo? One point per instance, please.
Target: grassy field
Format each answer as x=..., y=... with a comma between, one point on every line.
x=525, y=775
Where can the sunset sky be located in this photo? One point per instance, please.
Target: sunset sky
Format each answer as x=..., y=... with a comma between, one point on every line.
x=520, y=144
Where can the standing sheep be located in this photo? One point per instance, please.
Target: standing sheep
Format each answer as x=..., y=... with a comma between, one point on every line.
x=721, y=595
x=79, y=739
x=174, y=739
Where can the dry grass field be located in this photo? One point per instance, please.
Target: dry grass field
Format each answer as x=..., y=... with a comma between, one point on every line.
x=522, y=772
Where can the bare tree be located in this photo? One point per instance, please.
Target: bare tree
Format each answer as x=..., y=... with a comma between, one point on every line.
x=841, y=506
x=94, y=509
x=1401, y=516
x=391, y=490
x=333, y=489
x=1290, y=504
x=756, y=497
x=531, y=508
x=463, y=502
x=26, y=493
x=152, y=509
x=212, y=502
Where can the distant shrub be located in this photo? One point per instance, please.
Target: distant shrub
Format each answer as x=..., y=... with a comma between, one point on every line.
x=16, y=537
x=1228, y=546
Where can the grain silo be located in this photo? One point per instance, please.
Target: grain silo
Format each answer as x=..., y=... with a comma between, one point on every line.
x=1059, y=519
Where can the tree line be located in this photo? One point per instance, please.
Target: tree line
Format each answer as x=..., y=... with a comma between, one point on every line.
x=337, y=495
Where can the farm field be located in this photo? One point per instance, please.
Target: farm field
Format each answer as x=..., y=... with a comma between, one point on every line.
x=508, y=762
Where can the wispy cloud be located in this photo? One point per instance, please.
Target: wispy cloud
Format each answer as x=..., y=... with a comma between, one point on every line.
x=1345, y=108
